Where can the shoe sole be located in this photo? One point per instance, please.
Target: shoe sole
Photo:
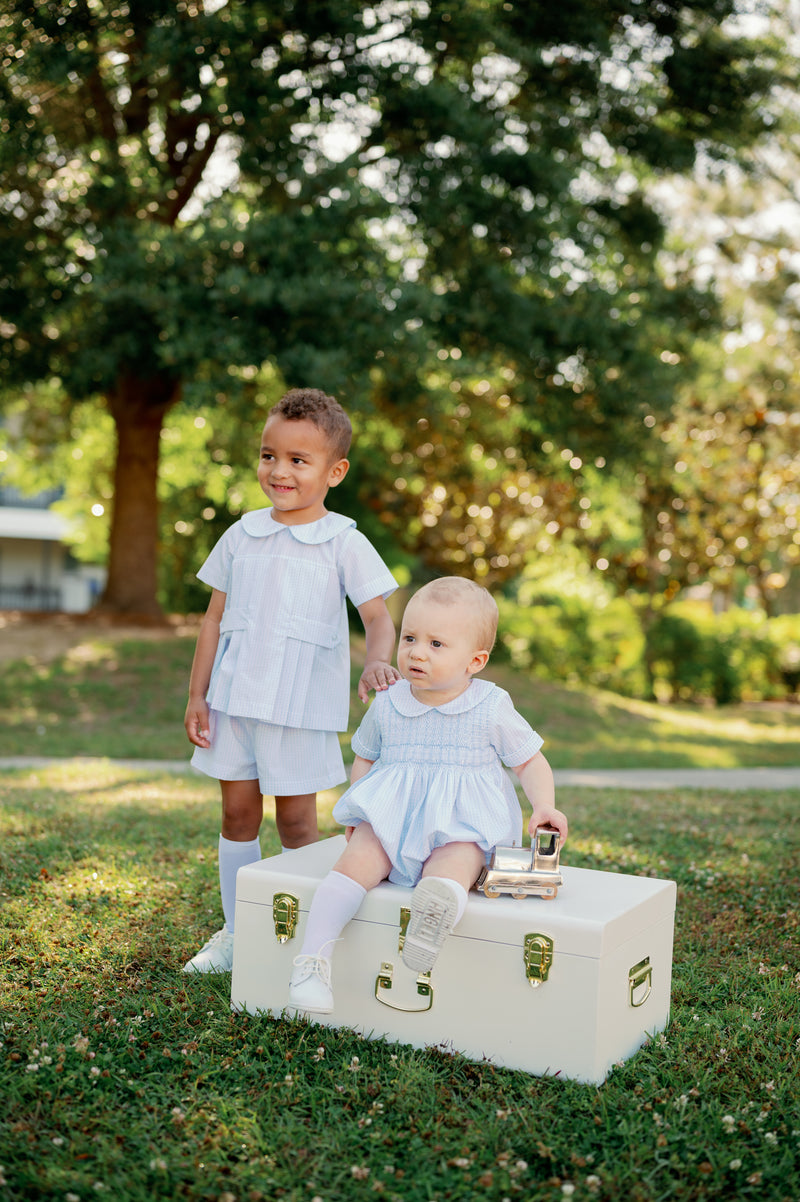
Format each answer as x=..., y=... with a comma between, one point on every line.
x=301, y=1009
x=305, y=1008
x=195, y=971
x=433, y=914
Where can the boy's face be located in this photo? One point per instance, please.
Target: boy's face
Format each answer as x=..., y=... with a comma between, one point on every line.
x=295, y=470
x=439, y=650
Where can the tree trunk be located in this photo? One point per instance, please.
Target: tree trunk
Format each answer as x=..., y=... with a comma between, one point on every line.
x=138, y=408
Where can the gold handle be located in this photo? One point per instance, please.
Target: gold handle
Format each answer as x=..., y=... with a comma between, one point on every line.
x=383, y=981
x=640, y=975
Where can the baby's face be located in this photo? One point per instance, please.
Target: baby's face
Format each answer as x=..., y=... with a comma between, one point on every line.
x=439, y=649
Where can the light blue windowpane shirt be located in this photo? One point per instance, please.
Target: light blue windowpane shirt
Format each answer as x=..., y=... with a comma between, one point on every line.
x=284, y=648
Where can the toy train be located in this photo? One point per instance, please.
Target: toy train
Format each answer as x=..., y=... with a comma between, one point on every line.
x=525, y=871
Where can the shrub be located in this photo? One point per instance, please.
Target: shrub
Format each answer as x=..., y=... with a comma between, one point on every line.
x=575, y=639
x=693, y=654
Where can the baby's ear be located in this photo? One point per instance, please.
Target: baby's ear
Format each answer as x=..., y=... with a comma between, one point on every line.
x=479, y=661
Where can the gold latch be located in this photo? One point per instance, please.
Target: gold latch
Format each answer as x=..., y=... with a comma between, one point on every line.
x=285, y=909
x=538, y=956
x=640, y=978
x=383, y=983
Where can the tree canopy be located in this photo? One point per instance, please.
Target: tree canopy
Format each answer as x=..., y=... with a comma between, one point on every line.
x=360, y=196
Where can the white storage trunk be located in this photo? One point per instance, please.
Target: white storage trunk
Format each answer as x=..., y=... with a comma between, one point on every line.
x=567, y=987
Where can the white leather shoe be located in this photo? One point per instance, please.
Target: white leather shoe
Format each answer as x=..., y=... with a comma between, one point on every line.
x=434, y=906
x=214, y=956
x=310, y=984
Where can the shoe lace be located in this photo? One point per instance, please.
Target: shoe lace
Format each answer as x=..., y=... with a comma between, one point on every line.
x=220, y=936
x=317, y=966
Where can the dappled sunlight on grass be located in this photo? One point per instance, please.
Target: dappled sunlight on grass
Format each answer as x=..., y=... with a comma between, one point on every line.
x=116, y=1070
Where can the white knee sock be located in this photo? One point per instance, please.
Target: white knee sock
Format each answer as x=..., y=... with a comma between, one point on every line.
x=336, y=901
x=232, y=857
x=460, y=892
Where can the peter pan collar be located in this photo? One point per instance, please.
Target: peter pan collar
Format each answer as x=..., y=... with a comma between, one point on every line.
x=260, y=524
x=406, y=703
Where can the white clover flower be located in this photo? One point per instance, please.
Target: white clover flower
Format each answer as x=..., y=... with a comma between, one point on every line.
x=729, y=1123
x=735, y=1164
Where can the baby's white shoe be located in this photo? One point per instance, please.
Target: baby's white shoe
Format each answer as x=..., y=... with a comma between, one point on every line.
x=434, y=906
x=310, y=984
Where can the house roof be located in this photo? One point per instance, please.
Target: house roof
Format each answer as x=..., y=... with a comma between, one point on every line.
x=40, y=524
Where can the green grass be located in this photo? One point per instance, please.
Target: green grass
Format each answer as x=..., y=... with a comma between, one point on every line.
x=122, y=1078
x=126, y=699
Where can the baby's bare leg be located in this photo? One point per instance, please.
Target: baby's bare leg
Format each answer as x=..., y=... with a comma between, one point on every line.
x=364, y=859
x=459, y=862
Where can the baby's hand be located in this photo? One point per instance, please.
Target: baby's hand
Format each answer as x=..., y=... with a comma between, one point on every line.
x=551, y=817
x=378, y=676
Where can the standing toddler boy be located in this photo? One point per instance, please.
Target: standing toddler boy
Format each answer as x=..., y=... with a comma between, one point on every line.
x=270, y=682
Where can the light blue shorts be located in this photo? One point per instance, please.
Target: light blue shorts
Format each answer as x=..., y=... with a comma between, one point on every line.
x=285, y=760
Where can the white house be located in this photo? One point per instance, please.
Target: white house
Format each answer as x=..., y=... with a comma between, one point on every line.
x=37, y=571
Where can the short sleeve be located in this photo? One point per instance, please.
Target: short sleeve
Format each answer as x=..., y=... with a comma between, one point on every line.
x=363, y=573
x=366, y=741
x=216, y=571
x=514, y=739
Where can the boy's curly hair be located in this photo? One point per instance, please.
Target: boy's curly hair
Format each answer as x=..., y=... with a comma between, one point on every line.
x=312, y=404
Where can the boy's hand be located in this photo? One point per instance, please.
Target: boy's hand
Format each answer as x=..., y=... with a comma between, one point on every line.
x=378, y=676
x=551, y=817
x=197, y=724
